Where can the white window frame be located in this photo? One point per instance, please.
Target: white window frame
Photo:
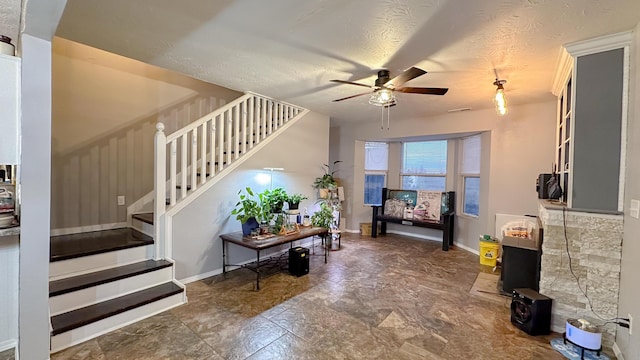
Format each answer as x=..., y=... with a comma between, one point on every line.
x=376, y=172
x=463, y=176
x=440, y=175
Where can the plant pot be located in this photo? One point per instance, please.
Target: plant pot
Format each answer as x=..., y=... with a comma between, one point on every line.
x=249, y=225
x=294, y=206
x=277, y=208
x=323, y=193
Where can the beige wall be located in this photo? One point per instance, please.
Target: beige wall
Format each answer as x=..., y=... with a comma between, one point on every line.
x=515, y=149
x=630, y=268
x=104, y=112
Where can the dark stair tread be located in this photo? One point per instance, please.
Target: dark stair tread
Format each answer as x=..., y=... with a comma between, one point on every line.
x=73, y=246
x=87, y=315
x=64, y=286
x=180, y=187
x=144, y=217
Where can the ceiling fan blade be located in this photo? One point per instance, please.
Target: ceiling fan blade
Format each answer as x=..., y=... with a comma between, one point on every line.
x=427, y=91
x=351, y=83
x=411, y=73
x=352, y=96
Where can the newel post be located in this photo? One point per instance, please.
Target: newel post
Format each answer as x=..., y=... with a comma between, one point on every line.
x=160, y=181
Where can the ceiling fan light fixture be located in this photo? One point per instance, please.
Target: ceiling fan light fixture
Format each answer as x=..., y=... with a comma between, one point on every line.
x=499, y=99
x=382, y=97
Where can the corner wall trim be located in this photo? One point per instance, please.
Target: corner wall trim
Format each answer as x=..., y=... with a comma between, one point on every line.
x=617, y=352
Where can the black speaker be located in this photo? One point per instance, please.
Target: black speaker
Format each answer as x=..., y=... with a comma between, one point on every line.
x=541, y=186
x=531, y=311
x=298, y=261
x=520, y=268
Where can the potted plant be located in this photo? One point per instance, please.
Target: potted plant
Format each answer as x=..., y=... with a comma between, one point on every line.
x=294, y=201
x=275, y=199
x=323, y=217
x=247, y=211
x=327, y=181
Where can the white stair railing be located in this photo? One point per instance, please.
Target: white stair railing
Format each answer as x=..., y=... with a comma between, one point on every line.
x=192, y=156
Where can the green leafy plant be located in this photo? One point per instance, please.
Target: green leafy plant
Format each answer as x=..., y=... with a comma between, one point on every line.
x=278, y=223
x=294, y=200
x=247, y=207
x=327, y=180
x=274, y=198
x=323, y=217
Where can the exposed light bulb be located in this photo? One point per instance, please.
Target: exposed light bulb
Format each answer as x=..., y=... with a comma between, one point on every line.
x=382, y=97
x=499, y=99
x=385, y=95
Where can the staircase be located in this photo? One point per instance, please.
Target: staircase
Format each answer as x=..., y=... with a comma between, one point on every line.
x=191, y=160
x=104, y=280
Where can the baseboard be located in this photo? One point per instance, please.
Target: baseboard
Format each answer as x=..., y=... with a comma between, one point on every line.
x=464, y=247
x=215, y=272
x=617, y=352
x=202, y=276
x=90, y=228
x=8, y=345
x=419, y=236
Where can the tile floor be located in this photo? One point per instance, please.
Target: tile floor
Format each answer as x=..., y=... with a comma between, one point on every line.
x=7, y=355
x=387, y=298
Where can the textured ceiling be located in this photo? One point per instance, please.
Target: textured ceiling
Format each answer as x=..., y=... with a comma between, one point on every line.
x=10, y=19
x=290, y=49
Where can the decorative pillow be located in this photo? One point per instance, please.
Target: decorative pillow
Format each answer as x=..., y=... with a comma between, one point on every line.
x=394, y=207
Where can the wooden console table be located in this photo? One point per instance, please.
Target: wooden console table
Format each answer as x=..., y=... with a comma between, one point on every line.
x=259, y=245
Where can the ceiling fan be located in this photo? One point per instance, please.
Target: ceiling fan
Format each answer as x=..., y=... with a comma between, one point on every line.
x=384, y=87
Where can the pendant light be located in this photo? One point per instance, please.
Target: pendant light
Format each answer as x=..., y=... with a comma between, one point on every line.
x=499, y=99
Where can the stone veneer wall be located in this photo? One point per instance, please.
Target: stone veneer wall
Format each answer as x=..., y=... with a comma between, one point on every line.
x=595, y=245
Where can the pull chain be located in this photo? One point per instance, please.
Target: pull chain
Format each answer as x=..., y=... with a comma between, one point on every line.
x=382, y=117
x=388, y=116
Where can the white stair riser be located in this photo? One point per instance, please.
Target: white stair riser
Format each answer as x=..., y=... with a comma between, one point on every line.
x=86, y=264
x=85, y=297
x=143, y=227
x=90, y=331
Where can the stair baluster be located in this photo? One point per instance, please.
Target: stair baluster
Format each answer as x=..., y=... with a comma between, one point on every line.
x=218, y=140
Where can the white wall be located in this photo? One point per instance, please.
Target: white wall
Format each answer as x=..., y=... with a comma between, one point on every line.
x=35, y=197
x=300, y=150
x=105, y=108
x=520, y=146
x=629, y=298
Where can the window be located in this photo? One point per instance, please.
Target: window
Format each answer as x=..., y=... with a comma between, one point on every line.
x=424, y=165
x=376, y=161
x=470, y=174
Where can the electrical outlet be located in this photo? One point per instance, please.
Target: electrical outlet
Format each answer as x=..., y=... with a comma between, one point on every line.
x=630, y=323
x=120, y=200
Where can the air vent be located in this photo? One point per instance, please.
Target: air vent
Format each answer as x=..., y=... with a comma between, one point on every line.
x=459, y=110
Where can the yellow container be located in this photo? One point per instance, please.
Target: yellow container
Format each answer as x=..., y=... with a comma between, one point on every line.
x=489, y=252
x=365, y=229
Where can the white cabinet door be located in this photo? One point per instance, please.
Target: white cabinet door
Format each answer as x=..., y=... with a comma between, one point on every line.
x=9, y=109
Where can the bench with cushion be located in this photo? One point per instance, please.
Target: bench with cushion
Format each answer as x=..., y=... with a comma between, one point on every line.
x=414, y=214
